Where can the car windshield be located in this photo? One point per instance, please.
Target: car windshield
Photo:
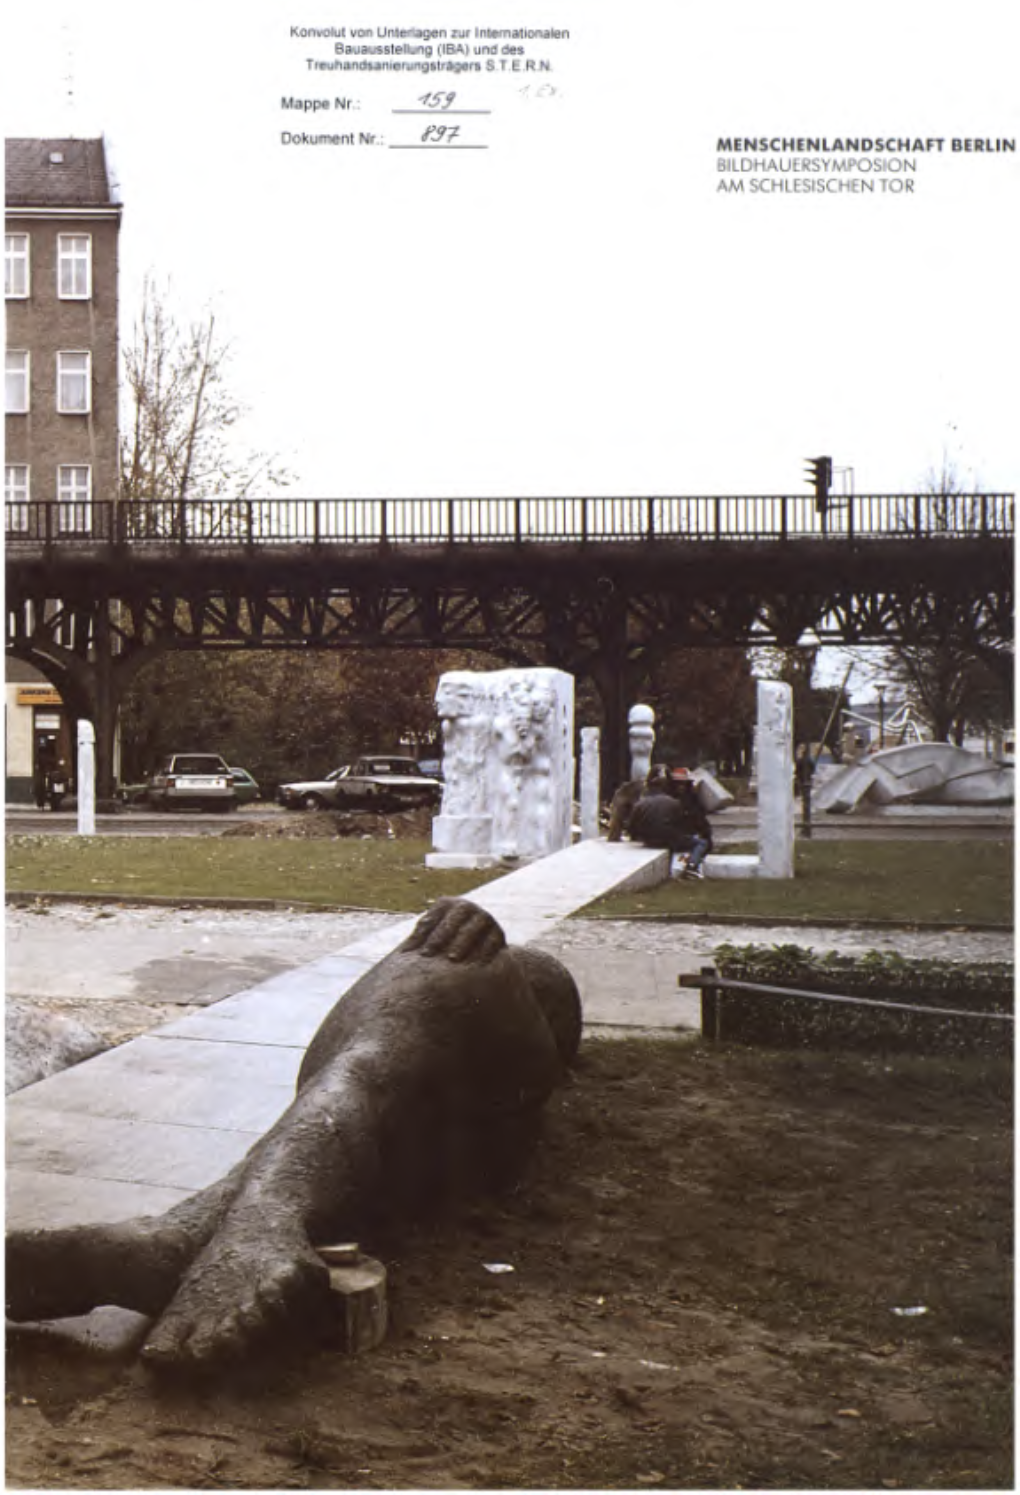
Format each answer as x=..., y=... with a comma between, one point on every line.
x=198, y=763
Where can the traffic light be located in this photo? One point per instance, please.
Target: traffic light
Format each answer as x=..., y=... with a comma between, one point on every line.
x=820, y=476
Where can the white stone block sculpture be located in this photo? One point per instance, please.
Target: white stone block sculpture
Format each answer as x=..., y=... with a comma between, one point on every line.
x=508, y=766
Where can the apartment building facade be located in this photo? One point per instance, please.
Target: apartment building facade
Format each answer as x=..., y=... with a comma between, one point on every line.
x=62, y=227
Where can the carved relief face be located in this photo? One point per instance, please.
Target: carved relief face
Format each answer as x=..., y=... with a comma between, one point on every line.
x=456, y=698
x=530, y=697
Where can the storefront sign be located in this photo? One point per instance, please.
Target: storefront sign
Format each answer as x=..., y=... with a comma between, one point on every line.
x=38, y=695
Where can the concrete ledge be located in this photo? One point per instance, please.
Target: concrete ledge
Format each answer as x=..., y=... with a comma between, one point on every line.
x=462, y=861
x=650, y=875
x=732, y=867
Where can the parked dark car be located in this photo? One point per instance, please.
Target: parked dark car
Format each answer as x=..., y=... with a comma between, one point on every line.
x=246, y=788
x=133, y=794
x=379, y=782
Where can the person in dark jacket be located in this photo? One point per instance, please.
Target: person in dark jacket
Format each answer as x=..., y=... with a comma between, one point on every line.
x=670, y=815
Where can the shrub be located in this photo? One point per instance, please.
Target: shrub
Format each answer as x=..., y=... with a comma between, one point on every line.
x=796, y=1021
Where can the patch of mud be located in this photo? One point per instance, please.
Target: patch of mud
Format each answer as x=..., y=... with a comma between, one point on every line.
x=330, y=825
x=708, y=1252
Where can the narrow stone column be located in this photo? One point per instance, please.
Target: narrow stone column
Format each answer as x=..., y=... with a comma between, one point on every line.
x=775, y=779
x=589, y=783
x=641, y=721
x=86, y=779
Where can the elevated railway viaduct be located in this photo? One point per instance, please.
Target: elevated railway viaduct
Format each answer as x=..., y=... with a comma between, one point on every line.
x=597, y=586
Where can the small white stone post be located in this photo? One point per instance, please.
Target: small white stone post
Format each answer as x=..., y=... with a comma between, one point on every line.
x=641, y=721
x=775, y=779
x=589, y=783
x=86, y=778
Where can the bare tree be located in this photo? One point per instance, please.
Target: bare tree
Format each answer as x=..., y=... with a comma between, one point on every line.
x=965, y=682
x=182, y=458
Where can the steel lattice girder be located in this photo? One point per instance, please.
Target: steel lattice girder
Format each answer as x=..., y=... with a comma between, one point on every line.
x=623, y=600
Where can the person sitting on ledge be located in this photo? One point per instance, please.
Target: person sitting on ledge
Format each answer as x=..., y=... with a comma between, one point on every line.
x=669, y=815
x=428, y=1077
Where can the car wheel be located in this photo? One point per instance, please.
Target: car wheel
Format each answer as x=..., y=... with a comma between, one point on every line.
x=313, y=802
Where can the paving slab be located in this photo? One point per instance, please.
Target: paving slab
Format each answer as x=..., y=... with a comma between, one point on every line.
x=43, y=1198
x=626, y=989
x=169, y=1079
x=107, y=1136
x=532, y=900
x=122, y=1150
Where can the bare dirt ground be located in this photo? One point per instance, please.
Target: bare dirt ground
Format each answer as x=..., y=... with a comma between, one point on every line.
x=318, y=825
x=708, y=1253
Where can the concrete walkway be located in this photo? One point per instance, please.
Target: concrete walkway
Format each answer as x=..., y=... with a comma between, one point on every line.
x=141, y=1126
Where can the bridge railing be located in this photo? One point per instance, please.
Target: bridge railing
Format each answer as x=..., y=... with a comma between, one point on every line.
x=436, y=521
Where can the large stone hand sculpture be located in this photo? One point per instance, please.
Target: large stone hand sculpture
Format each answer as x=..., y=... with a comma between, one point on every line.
x=428, y=1077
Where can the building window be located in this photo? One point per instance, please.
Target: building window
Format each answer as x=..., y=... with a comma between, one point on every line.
x=74, y=495
x=16, y=383
x=16, y=266
x=74, y=383
x=16, y=497
x=74, y=267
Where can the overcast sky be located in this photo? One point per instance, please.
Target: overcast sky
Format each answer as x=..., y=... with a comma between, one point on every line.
x=576, y=309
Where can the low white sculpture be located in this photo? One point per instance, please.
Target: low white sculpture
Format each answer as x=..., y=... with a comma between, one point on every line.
x=917, y=773
x=774, y=759
x=508, y=766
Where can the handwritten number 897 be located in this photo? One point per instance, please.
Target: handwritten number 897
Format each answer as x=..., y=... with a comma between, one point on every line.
x=440, y=134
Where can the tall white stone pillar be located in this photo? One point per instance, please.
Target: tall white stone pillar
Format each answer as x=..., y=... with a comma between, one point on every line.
x=641, y=723
x=775, y=779
x=589, y=783
x=86, y=779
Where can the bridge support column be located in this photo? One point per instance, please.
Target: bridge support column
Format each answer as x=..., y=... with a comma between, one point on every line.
x=105, y=703
x=611, y=678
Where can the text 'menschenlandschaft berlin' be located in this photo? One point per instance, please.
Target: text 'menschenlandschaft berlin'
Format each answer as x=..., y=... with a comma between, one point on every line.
x=863, y=143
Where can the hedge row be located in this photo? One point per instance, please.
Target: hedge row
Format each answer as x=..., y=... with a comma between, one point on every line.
x=784, y=1022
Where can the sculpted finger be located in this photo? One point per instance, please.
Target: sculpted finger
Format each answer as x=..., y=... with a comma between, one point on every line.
x=166, y=1344
x=220, y=1340
x=447, y=928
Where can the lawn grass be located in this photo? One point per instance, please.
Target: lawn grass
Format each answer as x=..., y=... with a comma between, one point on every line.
x=386, y=875
x=904, y=882
x=952, y=883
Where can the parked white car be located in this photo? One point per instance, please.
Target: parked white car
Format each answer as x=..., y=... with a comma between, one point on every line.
x=199, y=781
